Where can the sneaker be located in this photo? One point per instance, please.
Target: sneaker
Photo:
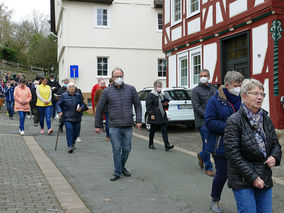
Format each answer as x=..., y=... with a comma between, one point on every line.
x=70, y=149
x=32, y=116
x=35, y=124
x=78, y=140
x=50, y=131
x=42, y=131
x=7, y=113
x=214, y=206
x=22, y=132
x=209, y=173
x=28, y=116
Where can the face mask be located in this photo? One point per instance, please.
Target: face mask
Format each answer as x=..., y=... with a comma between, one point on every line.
x=159, y=90
x=235, y=91
x=65, y=85
x=52, y=80
x=203, y=80
x=118, y=81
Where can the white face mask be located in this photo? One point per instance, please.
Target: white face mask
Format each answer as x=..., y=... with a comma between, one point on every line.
x=118, y=81
x=235, y=91
x=159, y=90
x=52, y=80
x=203, y=80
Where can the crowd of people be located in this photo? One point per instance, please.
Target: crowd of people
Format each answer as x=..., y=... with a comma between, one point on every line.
x=234, y=128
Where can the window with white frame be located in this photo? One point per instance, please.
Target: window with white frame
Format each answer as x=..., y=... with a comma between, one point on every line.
x=102, y=17
x=160, y=21
x=102, y=66
x=193, y=7
x=162, y=68
x=195, y=65
x=177, y=10
x=183, y=71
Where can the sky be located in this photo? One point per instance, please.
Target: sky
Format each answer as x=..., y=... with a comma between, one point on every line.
x=24, y=8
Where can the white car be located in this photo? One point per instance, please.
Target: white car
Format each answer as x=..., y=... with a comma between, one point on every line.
x=180, y=108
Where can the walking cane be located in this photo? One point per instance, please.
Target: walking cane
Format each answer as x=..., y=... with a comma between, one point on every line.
x=57, y=134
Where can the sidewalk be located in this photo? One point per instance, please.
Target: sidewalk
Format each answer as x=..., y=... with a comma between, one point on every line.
x=161, y=181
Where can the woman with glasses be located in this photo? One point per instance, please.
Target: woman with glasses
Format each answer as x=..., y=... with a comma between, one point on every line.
x=252, y=149
x=219, y=107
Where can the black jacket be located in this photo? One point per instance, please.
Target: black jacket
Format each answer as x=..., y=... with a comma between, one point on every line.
x=67, y=104
x=152, y=106
x=199, y=97
x=245, y=160
x=56, y=85
x=119, y=102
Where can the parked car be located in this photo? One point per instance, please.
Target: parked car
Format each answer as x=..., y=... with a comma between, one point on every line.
x=180, y=108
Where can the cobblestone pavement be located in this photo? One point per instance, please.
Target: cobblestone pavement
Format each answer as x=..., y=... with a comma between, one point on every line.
x=23, y=188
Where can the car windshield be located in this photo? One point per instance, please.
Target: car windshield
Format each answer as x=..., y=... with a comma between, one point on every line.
x=177, y=95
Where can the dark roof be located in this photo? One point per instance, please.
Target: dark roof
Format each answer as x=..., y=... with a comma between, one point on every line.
x=158, y=3
x=52, y=9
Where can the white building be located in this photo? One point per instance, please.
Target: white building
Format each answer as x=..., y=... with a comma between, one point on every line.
x=98, y=35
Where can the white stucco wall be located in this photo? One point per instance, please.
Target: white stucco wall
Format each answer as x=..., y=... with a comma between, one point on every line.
x=132, y=42
x=210, y=58
x=238, y=7
x=172, y=64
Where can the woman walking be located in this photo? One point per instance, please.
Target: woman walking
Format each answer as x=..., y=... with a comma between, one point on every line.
x=44, y=105
x=22, y=96
x=9, y=92
x=219, y=107
x=70, y=107
x=252, y=149
x=157, y=117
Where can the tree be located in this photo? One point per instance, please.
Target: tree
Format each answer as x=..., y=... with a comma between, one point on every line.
x=43, y=51
x=8, y=53
x=6, y=26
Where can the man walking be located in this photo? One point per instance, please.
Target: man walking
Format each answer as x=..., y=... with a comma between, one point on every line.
x=55, y=86
x=200, y=95
x=119, y=99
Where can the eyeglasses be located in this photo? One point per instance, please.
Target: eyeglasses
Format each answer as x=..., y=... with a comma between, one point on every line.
x=257, y=94
x=203, y=76
x=121, y=76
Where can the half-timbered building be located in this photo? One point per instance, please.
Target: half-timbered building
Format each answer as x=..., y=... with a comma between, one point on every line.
x=224, y=35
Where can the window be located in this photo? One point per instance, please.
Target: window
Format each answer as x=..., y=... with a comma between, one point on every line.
x=160, y=21
x=162, y=67
x=102, y=66
x=183, y=72
x=196, y=65
x=102, y=17
x=193, y=7
x=177, y=9
x=177, y=95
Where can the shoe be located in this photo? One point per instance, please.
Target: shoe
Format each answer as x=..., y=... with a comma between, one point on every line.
x=70, y=149
x=169, y=147
x=78, y=140
x=50, y=131
x=35, y=124
x=114, y=177
x=28, y=116
x=22, y=132
x=108, y=138
x=61, y=128
x=42, y=131
x=200, y=161
x=7, y=113
x=32, y=116
x=152, y=147
x=214, y=206
x=210, y=173
x=125, y=172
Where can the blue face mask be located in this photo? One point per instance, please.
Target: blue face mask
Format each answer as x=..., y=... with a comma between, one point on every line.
x=65, y=85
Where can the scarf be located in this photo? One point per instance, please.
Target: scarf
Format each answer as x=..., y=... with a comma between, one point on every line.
x=256, y=120
x=235, y=100
x=160, y=97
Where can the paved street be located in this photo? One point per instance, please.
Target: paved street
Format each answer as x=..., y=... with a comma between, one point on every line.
x=160, y=182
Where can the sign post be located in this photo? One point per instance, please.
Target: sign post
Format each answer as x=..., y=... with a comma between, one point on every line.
x=74, y=71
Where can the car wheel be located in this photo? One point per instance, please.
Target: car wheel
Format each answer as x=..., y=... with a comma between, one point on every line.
x=147, y=125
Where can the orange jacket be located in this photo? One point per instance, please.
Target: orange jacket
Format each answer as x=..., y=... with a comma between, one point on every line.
x=22, y=94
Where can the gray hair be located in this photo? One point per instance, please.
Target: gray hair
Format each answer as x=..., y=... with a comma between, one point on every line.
x=157, y=83
x=233, y=77
x=249, y=84
x=71, y=84
x=116, y=68
x=205, y=70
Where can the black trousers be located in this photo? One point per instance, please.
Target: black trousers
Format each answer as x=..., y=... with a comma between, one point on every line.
x=163, y=128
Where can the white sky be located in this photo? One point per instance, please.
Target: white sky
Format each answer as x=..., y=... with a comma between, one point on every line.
x=22, y=9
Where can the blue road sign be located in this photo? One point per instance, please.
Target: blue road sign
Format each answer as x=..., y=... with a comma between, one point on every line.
x=74, y=71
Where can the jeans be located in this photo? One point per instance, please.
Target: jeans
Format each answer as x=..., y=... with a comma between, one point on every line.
x=205, y=156
x=107, y=128
x=220, y=177
x=22, y=116
x=121, y=146
x=72, y=132
x=53, y=114
x=253, y=200
x=154, y=128
x=44, y=112
x=10, y=108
